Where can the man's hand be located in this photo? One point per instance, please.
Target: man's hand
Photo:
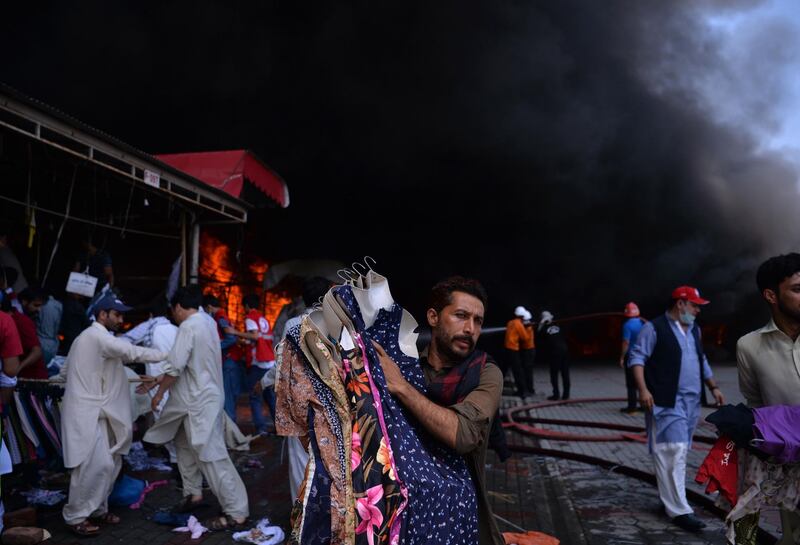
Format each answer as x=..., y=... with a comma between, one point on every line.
x=394, y=378
x=622, y=362
x=156, y=401
x=258, y=388
x=148, y=383
x=717, y=393
x=646, y=399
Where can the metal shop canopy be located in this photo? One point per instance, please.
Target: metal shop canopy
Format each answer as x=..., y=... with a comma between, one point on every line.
x=237, y=172
x=47, y=125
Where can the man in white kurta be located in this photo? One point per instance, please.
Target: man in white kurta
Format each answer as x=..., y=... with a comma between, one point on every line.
x=193, y=415
x=96, y=412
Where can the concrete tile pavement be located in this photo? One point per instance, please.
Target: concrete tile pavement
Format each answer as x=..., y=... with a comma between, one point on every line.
x=609, y=505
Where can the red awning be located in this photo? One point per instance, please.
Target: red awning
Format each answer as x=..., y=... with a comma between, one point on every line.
x=234, y=172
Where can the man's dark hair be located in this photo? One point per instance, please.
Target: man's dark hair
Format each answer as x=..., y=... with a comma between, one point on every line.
x=442, y=293
x=251, y=300
x=212, y=300
x=775, y=270
x=188, y=297
x=159, y=308
x=33, y=294
x=314, y=289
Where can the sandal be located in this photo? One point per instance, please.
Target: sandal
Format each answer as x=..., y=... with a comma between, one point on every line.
x=106, y=518
x=225, y=522
x=187, y=505
x=84, y=529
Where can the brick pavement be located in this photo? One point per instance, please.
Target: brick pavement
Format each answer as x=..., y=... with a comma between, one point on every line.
x=608, y=505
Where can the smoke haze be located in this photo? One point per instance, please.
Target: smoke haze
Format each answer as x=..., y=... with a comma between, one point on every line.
x=574, y=155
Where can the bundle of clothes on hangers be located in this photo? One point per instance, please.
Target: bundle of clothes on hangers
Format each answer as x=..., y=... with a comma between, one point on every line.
x=770, y=438
x=374, y=475
x=32, y=423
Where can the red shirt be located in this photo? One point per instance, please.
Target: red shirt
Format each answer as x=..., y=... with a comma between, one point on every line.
x=27, y=335
x=10, y=344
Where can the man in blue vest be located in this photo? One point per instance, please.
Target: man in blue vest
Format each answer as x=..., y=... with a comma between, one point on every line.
x=670, y=368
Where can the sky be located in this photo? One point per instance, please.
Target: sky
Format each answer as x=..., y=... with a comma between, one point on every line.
x=571, y=155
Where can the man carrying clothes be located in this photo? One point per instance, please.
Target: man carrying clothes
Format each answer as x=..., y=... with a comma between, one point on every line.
x=96, y=415
x=768, y=359
x=193, y=414
x=670, y=368
x=464, y=385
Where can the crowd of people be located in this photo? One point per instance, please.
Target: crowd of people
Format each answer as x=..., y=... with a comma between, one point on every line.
x=197, y=363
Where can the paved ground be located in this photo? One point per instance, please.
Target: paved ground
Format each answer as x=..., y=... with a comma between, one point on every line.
x=609, y=507
x=581, y=504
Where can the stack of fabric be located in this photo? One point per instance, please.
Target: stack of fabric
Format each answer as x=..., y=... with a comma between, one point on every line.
x=373, y=476
x=770, y=441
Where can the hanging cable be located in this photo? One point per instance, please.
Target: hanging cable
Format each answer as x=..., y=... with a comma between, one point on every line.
x=63, y=222
x=89, y=222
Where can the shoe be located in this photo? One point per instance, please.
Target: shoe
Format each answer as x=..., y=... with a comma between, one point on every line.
x=565, y=396
x=554, y=397
x=630, y=410
x=689, y=522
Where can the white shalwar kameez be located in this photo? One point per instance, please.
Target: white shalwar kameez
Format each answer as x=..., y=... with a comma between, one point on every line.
x=192, y=417
x=96, y=417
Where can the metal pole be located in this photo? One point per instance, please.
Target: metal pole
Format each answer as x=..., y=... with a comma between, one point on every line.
x=183, y=248
x=194, y=264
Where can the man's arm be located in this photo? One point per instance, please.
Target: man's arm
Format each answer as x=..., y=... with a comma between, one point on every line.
x=118, y=348
x=33, y=356
x=640, y=353
x=440, y=421
x=748, y=378
x=625, y=346
x=11, y=366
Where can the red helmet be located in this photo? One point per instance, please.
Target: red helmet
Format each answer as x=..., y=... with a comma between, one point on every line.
x=631, y=310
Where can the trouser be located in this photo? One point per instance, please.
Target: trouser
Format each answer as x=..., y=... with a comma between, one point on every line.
x=559, y=364
x=669, y=460
x=232, y=379
x=254, y=375
x=528, y=359
x=515, y=360
x=222, y=477
x=92, y=481
x=630, y=385
x=298, y=459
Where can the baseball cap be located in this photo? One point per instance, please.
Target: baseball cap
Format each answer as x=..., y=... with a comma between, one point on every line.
x=690, y=294
x=111, y=302
x=520, y=311
x=631, y=310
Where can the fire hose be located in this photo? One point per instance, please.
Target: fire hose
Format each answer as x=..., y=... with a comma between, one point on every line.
x=627, y=433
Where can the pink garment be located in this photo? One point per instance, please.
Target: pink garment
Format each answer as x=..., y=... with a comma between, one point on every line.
x=394, y=531
x=147, y=489
x=193, y=526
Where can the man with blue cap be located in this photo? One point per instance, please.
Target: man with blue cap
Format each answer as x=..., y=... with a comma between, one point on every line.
x=96, y=414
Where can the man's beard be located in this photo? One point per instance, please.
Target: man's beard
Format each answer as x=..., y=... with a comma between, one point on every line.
x=444, y=346
x=791, y=313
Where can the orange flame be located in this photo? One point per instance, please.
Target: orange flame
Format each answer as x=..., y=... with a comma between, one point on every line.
x=219, y=277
